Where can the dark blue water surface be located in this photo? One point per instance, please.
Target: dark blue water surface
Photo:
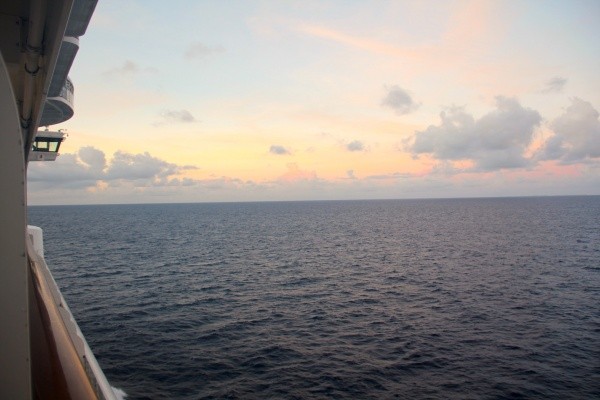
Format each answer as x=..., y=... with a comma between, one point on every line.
x=415, y=299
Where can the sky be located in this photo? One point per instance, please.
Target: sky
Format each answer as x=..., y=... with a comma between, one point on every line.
x=205, y=101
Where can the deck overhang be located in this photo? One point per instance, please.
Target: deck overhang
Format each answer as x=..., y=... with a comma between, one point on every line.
x=39, y=41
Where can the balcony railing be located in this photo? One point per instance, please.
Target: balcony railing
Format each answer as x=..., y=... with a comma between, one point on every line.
x=60, y=108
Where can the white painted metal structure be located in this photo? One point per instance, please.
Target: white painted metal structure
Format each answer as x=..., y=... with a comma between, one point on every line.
x=15, y=377
x=46, y=145
x=42, y=351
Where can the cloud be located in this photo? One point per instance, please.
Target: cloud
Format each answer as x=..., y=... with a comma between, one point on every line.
x=93, y=158
x=129, y=69
x=294, y=174
x=576, y=134
x=89, y=168
x=83, y=186
x=355, y=145
x=175, y=117
x=391, y=176
x=279, y=150
x=125, y=166
x=399, y=100
x=67, y=172
x=366, y=44
x=555, y=85
x=497, y=140
x=199, y=50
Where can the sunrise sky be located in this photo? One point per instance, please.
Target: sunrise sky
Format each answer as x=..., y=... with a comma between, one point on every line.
x=193, y=101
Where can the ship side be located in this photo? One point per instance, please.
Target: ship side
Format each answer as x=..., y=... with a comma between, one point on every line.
x=43, y=353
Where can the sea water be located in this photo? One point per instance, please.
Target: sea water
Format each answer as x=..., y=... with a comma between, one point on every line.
x=415, y=299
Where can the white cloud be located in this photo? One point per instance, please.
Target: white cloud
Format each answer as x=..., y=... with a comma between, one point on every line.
x=497, y=140
x=576, y=134
x=399, y=100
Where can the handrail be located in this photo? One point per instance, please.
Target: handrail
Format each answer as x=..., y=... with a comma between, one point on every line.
x=63, y=366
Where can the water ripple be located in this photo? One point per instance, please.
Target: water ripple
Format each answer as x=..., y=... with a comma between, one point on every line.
x=466, y=299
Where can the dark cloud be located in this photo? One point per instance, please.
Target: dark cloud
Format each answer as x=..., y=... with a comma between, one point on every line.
x=279, y=150
x=89, y=167
x=394, y=175
x=199, y=50
x=355, y=145
x=555, y=85
x=576, y=134
x=67, y=172
x=497, y=140
x=399, y=100
x=93, y=158
x=139, y=167
x=175, y=117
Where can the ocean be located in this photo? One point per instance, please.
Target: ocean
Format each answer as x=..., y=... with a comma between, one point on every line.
x=396, y=299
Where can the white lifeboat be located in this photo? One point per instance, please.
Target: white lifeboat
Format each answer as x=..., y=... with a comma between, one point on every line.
x=46, y=144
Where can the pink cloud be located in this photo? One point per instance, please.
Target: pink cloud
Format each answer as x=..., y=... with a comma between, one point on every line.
x=295, y=174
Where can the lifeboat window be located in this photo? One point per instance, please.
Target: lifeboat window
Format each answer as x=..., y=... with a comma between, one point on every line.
x=53, y=146
x=47, y=144
x=40, y=146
